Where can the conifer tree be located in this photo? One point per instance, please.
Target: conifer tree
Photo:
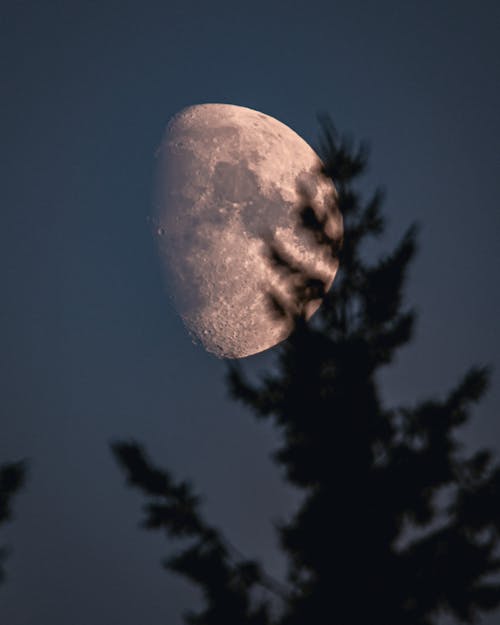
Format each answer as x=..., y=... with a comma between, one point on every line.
x=398, y=523
x=12, y=477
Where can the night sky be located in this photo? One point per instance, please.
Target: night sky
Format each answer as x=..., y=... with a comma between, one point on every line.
x=91, y=348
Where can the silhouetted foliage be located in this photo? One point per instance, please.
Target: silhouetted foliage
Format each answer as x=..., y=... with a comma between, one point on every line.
x=209, y=561
x=12, y=478
x=398, y=524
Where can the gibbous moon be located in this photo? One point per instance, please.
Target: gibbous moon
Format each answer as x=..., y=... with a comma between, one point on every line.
x=229, y=180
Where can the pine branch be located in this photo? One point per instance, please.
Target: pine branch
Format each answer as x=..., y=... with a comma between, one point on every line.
x=12, y=479
x=210, y=560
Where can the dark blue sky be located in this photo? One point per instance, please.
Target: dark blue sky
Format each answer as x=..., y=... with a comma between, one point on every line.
x=92, y=351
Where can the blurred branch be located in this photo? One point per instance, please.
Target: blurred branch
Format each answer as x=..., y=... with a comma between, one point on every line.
x=12, y=479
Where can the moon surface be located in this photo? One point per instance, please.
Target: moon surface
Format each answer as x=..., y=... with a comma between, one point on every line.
x=229, y=180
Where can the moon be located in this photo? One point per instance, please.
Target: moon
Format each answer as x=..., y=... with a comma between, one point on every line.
x=228, y=181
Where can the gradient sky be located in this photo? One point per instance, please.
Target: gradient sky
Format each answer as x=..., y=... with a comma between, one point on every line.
x=91, y=348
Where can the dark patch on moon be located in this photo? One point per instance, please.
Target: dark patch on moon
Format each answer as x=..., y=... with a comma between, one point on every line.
x=237, y=191
x=234, y=182
x=307, y=184
x=268, y=212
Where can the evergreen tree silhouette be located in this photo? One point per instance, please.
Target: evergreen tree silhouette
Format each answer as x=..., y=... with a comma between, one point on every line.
x=398, y=523
x=12, y=478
